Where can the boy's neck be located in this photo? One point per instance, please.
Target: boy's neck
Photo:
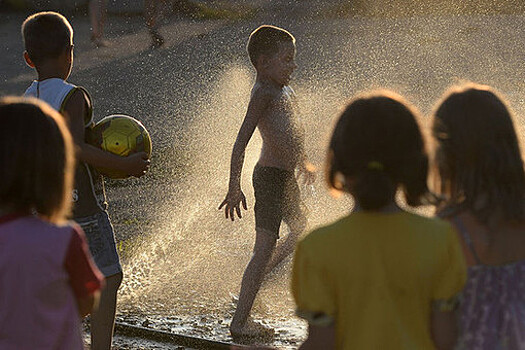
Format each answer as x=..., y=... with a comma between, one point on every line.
x=49, y=70
x=261, y=78
x=42, y=76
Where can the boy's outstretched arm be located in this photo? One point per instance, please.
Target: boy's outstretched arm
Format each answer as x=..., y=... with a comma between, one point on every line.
x=257, y=106
x=76, y=108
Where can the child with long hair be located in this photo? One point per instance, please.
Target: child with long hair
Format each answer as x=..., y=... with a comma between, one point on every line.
x=482, y=182
x=381, y=277
x=47, y=277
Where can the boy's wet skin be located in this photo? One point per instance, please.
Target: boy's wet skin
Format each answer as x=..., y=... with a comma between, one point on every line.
x=282, y=135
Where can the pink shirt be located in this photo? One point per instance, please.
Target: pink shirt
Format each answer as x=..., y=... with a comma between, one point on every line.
x=43, y=269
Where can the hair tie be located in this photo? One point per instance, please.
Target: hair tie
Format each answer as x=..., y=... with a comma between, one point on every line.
x=375, y=165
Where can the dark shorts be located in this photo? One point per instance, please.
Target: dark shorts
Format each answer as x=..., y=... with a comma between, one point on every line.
x=277, y=198
x=101, y=240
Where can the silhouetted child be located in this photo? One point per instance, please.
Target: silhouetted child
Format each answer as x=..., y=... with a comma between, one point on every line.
x=482, y=182
x=277, y=195
x=48, y=39
x=97, y=16
x=381, y=277
x=47, y=277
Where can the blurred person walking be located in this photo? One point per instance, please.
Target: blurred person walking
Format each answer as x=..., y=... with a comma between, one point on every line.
x=97, y=16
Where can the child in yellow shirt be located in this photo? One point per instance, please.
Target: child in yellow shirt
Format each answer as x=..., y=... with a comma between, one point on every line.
x=381, y=277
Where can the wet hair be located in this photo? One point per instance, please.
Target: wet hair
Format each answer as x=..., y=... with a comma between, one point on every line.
x=477, y=155
x=266, y=40
x=46, y=35
x=378, y=144
x=36, y=158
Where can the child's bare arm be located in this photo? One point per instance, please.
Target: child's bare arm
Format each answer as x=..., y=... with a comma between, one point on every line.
x=88, y=304
x=305, y=168
x=136, y=164
x=258, y=105
x=319, y=337
x=443, y=327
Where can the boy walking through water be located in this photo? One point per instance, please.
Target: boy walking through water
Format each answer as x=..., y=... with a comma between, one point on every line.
x=277, y=196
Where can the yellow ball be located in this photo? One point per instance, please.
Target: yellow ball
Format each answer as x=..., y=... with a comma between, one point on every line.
x=121, y=135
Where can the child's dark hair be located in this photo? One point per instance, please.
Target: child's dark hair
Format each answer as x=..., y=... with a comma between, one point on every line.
x=378, y=146
x=265, y=40
x=478, y=157
x=46, y=35
x=36, y=158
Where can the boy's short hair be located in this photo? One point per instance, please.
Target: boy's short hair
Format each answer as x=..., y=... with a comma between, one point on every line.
x=265, y=40
x=36, y=158
x=46, y=35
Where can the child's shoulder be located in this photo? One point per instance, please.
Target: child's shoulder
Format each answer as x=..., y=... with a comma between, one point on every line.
x=356, y=222
x=265, y=91
x=323, y=233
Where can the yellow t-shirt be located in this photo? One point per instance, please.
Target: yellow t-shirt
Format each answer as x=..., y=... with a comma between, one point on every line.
x=375, y=275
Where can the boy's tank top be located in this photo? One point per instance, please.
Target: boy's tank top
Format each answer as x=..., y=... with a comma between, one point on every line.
x=89, y=194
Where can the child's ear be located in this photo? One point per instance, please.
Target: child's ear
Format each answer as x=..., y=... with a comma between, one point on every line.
x=28, y=60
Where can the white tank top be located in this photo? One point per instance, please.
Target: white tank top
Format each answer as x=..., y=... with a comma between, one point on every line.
x=55, y=92
x=88, y=195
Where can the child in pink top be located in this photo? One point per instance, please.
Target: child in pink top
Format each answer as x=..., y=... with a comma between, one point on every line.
x=47, y=277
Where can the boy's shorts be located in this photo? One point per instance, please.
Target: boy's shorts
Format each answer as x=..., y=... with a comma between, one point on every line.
x=277, y=198
x=101, y=240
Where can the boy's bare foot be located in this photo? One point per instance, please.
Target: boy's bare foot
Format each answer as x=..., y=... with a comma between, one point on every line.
x=157, y=40
x=99, y=42
x=252, y=330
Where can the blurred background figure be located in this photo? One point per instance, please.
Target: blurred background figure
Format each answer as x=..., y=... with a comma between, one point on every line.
x=97, y=16
x=153, y=15
x=156, y=10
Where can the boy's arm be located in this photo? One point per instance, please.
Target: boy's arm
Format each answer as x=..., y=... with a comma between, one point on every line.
x=304, y=167
x=256, y=108
x=135, y=164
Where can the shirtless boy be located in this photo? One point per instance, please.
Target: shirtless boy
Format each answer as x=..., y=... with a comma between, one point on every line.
x=277, y=195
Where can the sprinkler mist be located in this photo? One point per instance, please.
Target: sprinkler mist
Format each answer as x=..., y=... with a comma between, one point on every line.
x=189, y=260
x=186, y=260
